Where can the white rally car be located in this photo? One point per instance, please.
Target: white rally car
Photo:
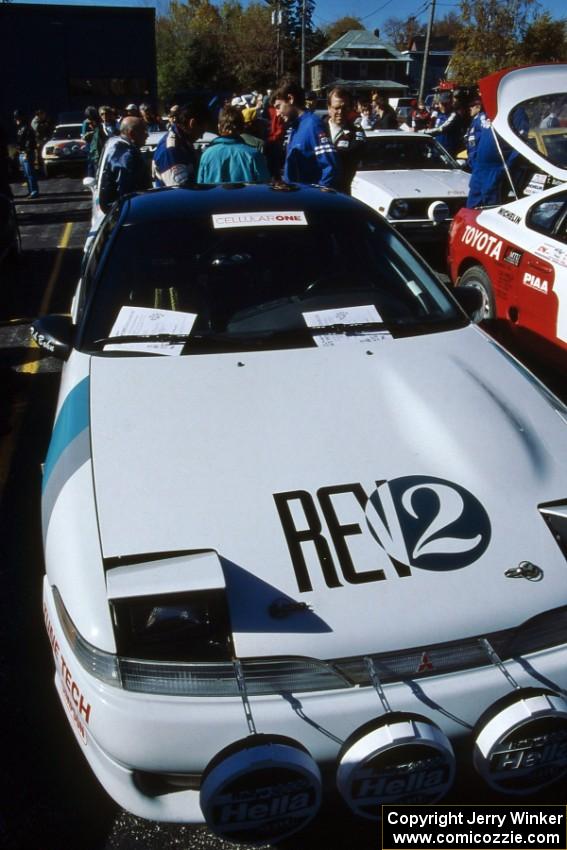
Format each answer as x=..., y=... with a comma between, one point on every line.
x=515, y=254
x=412, y=181
x=305, y=525
x=65, y=151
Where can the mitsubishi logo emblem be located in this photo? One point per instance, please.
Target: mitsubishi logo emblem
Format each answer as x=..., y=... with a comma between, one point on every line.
x=425, y=663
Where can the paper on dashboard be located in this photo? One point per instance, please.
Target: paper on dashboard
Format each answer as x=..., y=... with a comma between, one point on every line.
x=345, y=316
x=144, y=321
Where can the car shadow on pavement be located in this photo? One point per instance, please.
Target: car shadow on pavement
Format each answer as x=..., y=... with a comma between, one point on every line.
x=25, y=280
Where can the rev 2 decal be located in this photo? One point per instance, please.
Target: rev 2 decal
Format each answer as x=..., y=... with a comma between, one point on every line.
x=418, y=522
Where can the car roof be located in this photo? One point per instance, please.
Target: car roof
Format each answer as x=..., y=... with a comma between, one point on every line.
x=373, y=134
x=200, y=200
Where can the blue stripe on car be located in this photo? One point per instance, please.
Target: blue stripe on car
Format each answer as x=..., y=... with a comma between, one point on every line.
x=72, y=420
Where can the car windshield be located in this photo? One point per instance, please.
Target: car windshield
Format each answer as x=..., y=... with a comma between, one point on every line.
x=542, y=123
x=404, y=151
x=556, y=148
x=260, y=281
x=67, y=131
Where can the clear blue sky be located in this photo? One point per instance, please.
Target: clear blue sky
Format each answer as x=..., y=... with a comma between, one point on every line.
x=372, y=12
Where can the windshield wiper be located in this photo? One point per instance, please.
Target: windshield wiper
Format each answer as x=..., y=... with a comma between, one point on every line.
x=238, y=336
x=118, y=340
x=349, y=328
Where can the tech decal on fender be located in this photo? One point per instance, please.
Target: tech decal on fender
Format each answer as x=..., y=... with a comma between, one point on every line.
x=78, y=708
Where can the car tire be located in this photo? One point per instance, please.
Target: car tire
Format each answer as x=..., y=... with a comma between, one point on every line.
x=477, y=278
x=47, y=170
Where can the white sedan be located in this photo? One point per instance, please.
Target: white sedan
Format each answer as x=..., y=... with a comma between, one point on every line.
x=304, y=524
x=412, y=181
x=65, y=151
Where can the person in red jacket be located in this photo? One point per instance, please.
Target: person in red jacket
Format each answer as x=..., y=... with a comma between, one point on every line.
x=274, y=150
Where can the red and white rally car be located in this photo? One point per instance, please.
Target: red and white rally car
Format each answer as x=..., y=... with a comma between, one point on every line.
x=516, y=253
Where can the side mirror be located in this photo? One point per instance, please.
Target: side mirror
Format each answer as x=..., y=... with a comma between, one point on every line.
x=55, y=334
x=470, y=300
x=89, y=183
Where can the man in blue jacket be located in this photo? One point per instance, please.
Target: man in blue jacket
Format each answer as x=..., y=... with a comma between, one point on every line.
x=124, y=169
x=309, y=154
x=479, y=123
x=228, y=159
x=175, y=159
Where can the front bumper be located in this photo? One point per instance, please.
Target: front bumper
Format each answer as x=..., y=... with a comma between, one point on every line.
x=126, y=736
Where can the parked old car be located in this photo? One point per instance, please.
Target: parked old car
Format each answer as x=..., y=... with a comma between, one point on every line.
x=411, y=180
x=65, y=152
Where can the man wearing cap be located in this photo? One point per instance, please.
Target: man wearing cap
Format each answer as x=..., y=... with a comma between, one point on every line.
x=124, y=169
x=132, y=111
x=309, y=155
x=347, y=139
x=175, y=159
x=479, y=123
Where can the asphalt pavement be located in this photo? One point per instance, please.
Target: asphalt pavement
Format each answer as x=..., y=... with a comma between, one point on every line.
x=50, y=798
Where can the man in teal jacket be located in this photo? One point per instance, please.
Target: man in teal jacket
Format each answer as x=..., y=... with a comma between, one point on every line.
x=228, y=159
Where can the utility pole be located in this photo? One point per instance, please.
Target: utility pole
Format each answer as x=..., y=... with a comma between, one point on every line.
x=277, y=18
x=426, y=51
x=303, y=45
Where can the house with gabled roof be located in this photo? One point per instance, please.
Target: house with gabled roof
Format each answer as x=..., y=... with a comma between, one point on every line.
x=441, y=49
x=361, y=62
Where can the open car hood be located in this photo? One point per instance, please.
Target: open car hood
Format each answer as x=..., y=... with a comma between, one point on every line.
x=510, y=97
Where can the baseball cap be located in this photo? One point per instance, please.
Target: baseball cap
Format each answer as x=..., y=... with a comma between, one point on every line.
x=131, y=106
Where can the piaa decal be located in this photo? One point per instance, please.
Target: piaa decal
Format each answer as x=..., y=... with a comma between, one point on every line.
x=536, y=282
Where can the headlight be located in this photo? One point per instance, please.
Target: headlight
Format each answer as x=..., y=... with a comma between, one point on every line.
x=193, y=679
x=174, y=627
x=297, y=674
x=438, y=211
x=399, y=209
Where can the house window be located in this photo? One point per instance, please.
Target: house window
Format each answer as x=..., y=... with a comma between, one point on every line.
x=363, y=71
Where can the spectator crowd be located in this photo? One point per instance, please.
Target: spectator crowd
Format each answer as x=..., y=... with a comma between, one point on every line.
x=272, y=136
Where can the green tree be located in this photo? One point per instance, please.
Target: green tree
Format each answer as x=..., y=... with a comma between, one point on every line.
x=400, y=31
x=341, y=26
x=490, y=37
x=545, y=40
x=189, y=48
x=248, y=43
x=449, y=25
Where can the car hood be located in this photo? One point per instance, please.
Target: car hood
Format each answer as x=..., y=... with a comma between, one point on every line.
x=385, y=487
x=504, y=91
x=417, y=184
